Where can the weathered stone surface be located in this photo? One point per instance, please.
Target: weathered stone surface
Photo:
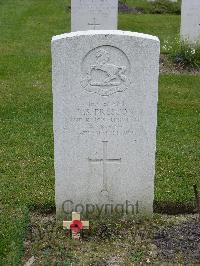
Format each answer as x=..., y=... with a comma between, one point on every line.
x=190, y=21
x=105, y=86
x=94, y=15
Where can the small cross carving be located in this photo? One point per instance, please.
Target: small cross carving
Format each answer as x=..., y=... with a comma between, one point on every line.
x=94, y=24
x=104, y=162
x=76, y=220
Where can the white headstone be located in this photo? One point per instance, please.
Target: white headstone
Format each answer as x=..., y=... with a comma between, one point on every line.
x=105, y=86
x=94, y=15
x=190, y=21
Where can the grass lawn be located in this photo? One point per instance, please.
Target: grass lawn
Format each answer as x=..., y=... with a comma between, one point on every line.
x=26, y=152
x=142, y=3
x=166, y=27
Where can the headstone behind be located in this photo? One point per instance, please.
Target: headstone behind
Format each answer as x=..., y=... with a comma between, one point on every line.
x=105, y=86
x=190, y=21
x=94, y=15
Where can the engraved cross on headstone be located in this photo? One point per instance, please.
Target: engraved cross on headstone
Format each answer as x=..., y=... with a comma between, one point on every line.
x=94, y=24
x=104, y=162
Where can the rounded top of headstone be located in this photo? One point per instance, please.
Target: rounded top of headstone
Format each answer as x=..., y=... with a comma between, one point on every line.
x=105, y=32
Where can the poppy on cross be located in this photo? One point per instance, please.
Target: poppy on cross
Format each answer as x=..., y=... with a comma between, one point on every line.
x=76, y=225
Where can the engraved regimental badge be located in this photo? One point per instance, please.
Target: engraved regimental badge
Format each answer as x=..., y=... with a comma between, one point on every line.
x=105, y=71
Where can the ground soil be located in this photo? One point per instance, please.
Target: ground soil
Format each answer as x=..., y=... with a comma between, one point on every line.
x=161, y=240
x=167, y=67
